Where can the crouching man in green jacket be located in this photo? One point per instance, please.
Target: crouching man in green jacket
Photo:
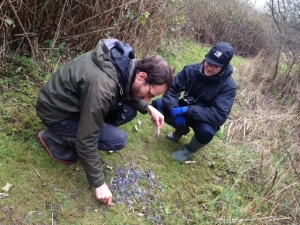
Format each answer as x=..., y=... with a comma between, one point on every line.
x=84, y=101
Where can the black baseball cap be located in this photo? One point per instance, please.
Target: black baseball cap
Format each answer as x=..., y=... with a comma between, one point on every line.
x=220, y=54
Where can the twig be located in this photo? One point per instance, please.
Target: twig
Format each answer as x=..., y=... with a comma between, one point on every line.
x=38, y=174
x=56, y=65
x=2, y=4
x=269, y=219
x=16, y=15
x=101, y=13
x=95, y=31
x=295, y=197
x=290, y=158
x=34, y=15
x=58, y=26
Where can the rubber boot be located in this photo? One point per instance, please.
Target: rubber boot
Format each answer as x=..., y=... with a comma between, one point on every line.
x=187, y=150
x=178, y=133
x=58, y=148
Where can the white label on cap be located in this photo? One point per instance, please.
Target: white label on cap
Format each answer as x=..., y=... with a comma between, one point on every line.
x=218, y=54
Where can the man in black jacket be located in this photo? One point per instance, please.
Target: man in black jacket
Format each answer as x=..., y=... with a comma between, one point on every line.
x=209, y=93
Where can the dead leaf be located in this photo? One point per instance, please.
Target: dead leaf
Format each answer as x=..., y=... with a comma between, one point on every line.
x=2, y=195
x=18, y=69
x=7, y=187
x=139, y=122
x=109, y=167
x=144, y=157
x=136, y=128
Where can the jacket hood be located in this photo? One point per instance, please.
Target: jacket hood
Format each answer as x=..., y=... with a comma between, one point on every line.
x=225, y=72
x=101, y=57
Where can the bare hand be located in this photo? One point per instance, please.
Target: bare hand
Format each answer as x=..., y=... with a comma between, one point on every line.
x=157, y=118
x=104, y=194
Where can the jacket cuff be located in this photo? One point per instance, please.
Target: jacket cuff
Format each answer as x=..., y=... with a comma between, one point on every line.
x=98, y=182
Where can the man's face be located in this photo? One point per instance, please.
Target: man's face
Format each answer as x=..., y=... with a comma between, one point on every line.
x=141, y=89
x=210, y=69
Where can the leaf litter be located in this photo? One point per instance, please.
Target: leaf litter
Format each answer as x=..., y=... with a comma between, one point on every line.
x=6, y=188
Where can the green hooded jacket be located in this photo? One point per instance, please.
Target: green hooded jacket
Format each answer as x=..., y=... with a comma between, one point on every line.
x=86, y=87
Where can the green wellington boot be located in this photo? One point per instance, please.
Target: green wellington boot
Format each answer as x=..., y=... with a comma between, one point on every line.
x=178, y=133
x=187, y=150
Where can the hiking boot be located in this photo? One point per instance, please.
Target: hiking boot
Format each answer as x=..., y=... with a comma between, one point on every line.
x=56, y=147
x=177, y=134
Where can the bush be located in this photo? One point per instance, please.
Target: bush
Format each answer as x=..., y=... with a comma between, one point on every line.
x=31, y=26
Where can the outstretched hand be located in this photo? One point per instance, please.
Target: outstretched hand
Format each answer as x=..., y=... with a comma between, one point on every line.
x=179, y=111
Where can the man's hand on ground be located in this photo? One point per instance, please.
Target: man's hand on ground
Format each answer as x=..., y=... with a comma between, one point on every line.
x=103, y=194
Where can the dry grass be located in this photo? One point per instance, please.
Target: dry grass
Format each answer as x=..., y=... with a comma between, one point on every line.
x=268, y=125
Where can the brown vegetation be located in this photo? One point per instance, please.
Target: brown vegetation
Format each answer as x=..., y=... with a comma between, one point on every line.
x=231, y=21
x=269, y=125
x=29, y=27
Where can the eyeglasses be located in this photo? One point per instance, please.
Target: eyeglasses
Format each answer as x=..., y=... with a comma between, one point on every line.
x=150, y=94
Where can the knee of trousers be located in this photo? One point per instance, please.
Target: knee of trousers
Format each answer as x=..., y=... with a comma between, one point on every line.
x=120, y=142
x=116, y=143
x=204, y=134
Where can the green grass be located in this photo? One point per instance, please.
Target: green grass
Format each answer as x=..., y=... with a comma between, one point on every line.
x=219, y=188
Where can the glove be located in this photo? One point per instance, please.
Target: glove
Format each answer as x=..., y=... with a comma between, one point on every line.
x=180, y=121
x=179, y=111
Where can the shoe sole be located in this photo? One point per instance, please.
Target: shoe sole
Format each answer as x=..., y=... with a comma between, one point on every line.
x=49, y=152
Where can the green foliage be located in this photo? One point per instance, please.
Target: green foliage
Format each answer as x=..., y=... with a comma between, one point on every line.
x=9, y=22
x=184, y=53
x=144, y=17
x=24, y=68
x=18, y=95
x=130, y=15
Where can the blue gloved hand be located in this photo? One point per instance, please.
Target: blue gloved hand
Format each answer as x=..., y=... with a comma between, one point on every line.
x=180, y=121
x=179, y=111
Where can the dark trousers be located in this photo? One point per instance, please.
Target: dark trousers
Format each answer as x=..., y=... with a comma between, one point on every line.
x=111, y=137
x=204, y=132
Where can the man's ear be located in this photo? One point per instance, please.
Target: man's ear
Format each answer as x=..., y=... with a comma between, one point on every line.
x=141, y=76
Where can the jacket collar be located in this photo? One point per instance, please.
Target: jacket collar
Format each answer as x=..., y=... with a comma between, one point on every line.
x=226, y=72
x=131, y=77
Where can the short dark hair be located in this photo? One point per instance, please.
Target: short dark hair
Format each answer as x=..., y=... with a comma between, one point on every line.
x=158, y=70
